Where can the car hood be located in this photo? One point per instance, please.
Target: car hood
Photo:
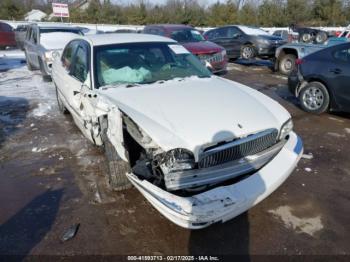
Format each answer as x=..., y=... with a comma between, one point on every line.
x=203, y=47
x=56, y=40
x=194, y=113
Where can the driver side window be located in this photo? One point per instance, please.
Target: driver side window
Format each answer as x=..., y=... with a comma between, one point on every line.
x=80, y=65
x=68, y=53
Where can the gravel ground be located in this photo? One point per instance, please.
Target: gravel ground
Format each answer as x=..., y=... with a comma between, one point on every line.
x=51, y=177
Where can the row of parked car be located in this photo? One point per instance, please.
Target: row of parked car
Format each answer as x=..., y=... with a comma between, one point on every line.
x=215, y=47
x=202, y=149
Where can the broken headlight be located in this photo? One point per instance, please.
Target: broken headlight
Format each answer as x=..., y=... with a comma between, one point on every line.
x=286, y=129
x=177, y=160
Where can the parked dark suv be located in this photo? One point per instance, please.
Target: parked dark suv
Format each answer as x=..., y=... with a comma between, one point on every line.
x=244, y=41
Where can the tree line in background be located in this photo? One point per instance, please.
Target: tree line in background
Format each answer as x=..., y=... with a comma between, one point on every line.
x=195, y=12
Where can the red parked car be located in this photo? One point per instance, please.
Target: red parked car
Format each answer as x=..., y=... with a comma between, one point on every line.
x=211, y=54
x=7, y=36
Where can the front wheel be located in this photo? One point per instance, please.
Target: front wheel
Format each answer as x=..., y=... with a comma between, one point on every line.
x=314, y=98
x=247, y=52
x=60, y=105
x=118, y=168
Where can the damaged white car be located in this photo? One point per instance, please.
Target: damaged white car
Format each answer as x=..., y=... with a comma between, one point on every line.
x=200, y=148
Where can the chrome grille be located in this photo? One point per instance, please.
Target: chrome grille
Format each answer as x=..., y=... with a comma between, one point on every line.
x=218, y=57
x=238, y=149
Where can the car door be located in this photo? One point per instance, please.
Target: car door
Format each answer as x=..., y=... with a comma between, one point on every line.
x=339, y=72
x=77, y=77
x=228, y=38
x=61, y=69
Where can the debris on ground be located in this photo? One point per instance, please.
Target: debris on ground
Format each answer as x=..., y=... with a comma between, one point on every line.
x=335, y=135
x=71, y=232
x=308, y=169
x=308, y=156
x=336, y=119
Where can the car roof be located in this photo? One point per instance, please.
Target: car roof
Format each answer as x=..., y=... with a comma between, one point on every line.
x=56, y=26
x=120, y=38
x=171, y=26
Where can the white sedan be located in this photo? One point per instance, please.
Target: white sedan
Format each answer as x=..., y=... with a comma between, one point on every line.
x=200, y=148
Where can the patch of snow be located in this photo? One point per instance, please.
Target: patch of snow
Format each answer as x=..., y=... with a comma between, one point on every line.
x=38, y=150
x=347, y=130
x=17, y=82
x=310, y=225
x=308, y=169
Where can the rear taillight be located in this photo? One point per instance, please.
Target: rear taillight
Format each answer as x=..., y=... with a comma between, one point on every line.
x=299, y=61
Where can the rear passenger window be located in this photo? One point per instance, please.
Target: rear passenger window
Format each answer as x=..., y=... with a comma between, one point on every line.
x=342, y=55
x=221, y=33
x=80, y=65
x=210, y=35
x=232, y=32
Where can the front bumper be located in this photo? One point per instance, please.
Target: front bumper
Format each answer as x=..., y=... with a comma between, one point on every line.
x=218, y=67
x=295, y=81
x=225, y=202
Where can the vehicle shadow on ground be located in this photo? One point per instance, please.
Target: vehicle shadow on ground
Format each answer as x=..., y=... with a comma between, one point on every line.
x=230, y=238
x=24, y=230
x=13, y=111
x=233, y=236
x=255, y=62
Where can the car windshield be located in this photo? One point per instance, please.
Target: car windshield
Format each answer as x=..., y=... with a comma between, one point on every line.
x=187, y=35
x=144, y=63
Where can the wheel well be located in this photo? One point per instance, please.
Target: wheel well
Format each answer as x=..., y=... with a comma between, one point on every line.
x=248, y=43
x=288, y=51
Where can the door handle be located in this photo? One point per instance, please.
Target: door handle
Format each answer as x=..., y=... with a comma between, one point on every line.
x=336, y=71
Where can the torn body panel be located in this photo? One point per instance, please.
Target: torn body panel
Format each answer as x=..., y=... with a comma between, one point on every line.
x=224, y=202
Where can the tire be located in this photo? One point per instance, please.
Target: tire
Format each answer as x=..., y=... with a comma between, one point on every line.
x=321, y=37
x=29, y=65
x=248, y=52
x=60, y=105
x=46, y=78
x=118, y=168
x=314, y=98
x=305, y=38
x=2, y=47
x=286, y=64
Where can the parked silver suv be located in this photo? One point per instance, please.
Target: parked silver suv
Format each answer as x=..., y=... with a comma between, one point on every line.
x=40, y=43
